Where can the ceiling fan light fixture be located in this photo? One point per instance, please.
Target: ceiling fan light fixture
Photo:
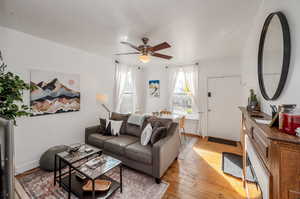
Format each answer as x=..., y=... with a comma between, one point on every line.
x=144, y=58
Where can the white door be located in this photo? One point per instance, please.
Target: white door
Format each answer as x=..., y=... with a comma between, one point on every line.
x=224, y=97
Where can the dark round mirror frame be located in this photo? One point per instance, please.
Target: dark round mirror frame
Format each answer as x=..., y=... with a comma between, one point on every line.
x=286, y=55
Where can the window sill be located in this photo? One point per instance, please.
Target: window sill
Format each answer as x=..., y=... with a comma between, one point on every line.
x=193, y=116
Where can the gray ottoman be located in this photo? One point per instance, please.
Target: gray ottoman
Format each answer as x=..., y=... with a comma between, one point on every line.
x=47, y=159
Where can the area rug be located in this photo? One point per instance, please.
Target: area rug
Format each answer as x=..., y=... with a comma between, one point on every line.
x=232, y=164
x=39, y=185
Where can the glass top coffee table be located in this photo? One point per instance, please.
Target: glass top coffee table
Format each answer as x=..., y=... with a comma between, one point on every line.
x=77, y=165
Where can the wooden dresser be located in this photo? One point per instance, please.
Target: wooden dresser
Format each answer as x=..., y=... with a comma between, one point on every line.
x=279, y=153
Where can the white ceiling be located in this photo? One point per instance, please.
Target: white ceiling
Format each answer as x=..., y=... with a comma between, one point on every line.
x=196, y=29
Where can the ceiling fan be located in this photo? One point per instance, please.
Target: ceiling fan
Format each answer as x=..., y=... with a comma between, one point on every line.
x=146, y=50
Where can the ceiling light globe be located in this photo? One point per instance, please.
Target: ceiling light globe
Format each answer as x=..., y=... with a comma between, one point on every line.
x=144, y=58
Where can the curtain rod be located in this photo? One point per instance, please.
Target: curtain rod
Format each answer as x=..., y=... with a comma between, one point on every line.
x=130, y=65
x=183, y=65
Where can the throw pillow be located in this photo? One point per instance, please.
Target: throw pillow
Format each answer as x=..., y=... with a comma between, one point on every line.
x=102, y=126
x=136, y=119
x=120, y=117
x=146, y=135
x=158, y=134
x=154, y=121
x=107, y=131
x=115, y=127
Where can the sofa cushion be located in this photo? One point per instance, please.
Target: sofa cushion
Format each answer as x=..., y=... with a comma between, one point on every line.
x=133, y=130
x=166, y=122
x=118, y=144
x=98, y=139
x=139, y=153
x=158, y=134
x=119, y=116
x=158, y=122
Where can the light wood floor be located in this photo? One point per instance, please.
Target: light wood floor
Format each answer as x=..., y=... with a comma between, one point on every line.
x=20, y=192
x=199, y=175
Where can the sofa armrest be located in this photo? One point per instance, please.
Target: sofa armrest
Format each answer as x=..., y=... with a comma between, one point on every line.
x=90, y=130
x=165, y=151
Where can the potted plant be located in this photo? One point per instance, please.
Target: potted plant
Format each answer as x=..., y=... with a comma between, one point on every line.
x=253, y=104
x=11, y=94
x=11, y=107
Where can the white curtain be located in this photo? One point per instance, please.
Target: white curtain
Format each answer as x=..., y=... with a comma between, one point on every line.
x=133, y=74
x=121, y=72
x=191, y=75
x=125, y=82
x=173, y=75
x=192, y=80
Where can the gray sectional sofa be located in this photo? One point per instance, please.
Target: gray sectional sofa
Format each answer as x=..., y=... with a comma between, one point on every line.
x=153, y=160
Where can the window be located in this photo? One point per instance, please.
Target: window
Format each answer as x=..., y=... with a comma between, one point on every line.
x=182, y=101
x=128, y=95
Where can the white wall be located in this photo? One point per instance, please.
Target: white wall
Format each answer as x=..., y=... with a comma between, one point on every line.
x=34, y=135
x=156, y=72
x=227, y=66
x=291, y=92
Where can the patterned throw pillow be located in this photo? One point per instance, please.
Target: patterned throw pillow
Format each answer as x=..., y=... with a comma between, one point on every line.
x=136, y=119
x=158, y=134
x=120, y=117
x=115, y=127
x=146, y=135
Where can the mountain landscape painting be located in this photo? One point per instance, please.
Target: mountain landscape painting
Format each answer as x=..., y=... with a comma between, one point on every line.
x=54, y=92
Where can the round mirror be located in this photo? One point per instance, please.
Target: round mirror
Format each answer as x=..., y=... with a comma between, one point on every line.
x=274, y=56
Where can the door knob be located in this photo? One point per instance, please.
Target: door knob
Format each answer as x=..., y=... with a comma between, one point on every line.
x=209, y=110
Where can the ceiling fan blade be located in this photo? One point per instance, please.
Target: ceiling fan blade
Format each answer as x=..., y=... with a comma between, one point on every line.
x=131, y=45
x=162, y=56
x=160, y=46
x=133, y=53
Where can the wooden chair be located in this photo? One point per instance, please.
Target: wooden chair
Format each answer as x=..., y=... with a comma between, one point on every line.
x=181, y=124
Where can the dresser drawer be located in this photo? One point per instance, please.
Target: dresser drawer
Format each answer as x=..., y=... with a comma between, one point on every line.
x=248, y=126
x=261, y=143
x=294, y=194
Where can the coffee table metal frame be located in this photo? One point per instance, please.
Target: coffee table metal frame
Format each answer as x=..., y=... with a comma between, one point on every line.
x=62, y=178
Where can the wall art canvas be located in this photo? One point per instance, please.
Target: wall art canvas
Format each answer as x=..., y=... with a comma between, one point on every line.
x=154, y=88
x=54, y=93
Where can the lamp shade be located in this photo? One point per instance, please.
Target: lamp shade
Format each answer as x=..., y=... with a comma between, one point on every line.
x=102, y=98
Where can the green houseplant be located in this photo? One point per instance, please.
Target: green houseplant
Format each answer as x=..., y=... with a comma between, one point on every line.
x=253, y=104
x=11, y=94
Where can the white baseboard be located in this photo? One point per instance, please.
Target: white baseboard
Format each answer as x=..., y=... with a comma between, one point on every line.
x=26, y=166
